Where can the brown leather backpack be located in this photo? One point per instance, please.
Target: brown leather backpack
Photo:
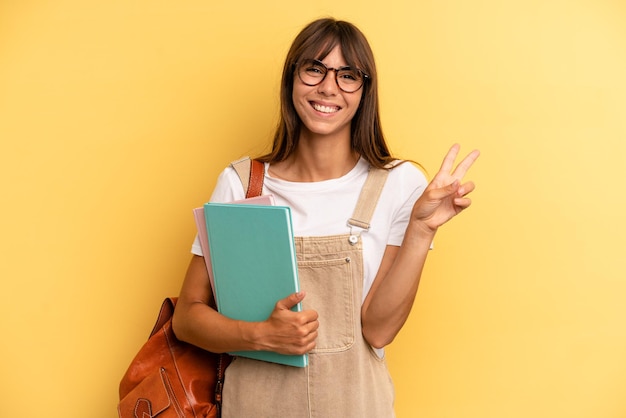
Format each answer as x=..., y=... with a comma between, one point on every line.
x=171, y=378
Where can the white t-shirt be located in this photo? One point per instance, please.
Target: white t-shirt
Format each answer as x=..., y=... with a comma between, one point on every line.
x=324, y=207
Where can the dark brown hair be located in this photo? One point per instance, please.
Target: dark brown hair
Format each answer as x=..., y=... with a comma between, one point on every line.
x=317, y=40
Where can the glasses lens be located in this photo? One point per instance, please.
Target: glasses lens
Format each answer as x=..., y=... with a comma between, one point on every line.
x=349, y=79
x=312, y=72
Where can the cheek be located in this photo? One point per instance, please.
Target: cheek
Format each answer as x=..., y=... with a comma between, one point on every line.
x=355, y=104
x=298, y=102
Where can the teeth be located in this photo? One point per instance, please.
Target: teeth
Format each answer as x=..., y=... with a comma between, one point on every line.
x=325, y=109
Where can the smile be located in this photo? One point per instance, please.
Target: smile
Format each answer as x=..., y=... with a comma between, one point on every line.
x=325, y=109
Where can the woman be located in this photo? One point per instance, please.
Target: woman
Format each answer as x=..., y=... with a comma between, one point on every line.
x=363, y=223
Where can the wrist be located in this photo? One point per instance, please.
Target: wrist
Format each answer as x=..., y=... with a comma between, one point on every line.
x=420, y=233
x=250, y=333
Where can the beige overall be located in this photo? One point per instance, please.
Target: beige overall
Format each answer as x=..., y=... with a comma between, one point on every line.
x=345, y=378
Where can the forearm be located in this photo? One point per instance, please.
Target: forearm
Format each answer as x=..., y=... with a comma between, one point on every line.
x=391, y=298
x=196, y=322
x=201, y=325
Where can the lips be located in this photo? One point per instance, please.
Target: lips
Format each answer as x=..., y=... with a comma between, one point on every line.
x=324, y=108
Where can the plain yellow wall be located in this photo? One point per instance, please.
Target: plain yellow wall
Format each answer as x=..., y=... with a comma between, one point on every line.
x=116, y=117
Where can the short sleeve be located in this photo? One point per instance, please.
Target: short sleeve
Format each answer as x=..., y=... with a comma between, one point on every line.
x=227, y=189
x=406, y=185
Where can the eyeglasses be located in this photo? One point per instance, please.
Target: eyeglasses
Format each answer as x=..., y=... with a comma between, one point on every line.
x=348, y=79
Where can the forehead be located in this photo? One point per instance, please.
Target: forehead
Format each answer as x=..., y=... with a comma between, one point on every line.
x=319, y=46
x=332, y=54
x=333, y=58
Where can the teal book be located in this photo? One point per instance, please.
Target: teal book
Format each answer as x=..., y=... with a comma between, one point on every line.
x=254, y=265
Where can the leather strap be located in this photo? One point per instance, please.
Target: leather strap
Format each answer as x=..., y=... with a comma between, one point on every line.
x=257, y=173
x=251, y=174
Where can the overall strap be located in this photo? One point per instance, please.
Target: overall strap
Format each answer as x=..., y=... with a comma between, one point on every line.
x=368, y=198
x=251, y=173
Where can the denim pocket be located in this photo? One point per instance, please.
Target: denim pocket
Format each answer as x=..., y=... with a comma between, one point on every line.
x=329, y=287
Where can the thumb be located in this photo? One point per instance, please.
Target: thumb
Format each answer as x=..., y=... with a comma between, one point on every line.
x=453, y=187
x=291, y=300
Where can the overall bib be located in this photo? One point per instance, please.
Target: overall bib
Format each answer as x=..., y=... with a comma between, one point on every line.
x=345, y=377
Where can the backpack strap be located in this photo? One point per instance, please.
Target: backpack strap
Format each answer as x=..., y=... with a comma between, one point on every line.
x=251, y=173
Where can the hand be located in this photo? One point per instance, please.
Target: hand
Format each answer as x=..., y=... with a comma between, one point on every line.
x=445, y=196
x=289, y=332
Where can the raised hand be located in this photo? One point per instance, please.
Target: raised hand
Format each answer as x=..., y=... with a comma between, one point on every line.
x=445, y=196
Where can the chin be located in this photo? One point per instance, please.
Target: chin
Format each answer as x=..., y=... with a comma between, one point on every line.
x=326, y=130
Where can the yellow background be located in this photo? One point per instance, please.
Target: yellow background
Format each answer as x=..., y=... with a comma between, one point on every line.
x=116, y=117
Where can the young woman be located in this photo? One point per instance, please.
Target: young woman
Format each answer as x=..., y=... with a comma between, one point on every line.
x=363, y=222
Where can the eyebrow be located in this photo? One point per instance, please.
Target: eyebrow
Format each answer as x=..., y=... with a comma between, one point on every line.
x=342, y=67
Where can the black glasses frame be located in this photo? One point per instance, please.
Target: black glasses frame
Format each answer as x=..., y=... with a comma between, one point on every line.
x=300, y=65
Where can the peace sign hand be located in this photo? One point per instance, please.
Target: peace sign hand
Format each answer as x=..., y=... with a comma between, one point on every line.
x=445, y=196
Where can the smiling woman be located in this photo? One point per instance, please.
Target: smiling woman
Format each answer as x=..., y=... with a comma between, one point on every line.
x=357, y=287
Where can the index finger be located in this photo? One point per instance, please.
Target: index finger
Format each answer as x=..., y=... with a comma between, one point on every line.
x=448, y=160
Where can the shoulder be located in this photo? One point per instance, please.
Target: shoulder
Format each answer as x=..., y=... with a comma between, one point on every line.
x=228, y=187
x=405, y=184
x=407, y=173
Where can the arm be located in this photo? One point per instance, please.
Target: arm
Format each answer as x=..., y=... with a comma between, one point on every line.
x=198, y=323
x=388, y=304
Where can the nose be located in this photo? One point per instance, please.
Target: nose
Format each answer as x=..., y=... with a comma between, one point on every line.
x=329, y=85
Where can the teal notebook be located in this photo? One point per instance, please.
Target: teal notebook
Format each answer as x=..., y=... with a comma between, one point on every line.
x=254, y=265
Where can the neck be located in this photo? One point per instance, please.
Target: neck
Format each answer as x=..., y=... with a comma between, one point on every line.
x=317, y=158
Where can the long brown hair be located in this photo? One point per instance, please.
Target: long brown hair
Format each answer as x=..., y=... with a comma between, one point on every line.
x=317, y=40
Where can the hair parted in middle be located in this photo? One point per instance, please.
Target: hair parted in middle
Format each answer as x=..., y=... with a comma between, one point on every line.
x=316, y=41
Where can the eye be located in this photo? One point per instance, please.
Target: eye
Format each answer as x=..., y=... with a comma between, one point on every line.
x=348, y=74
x=314, y=69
